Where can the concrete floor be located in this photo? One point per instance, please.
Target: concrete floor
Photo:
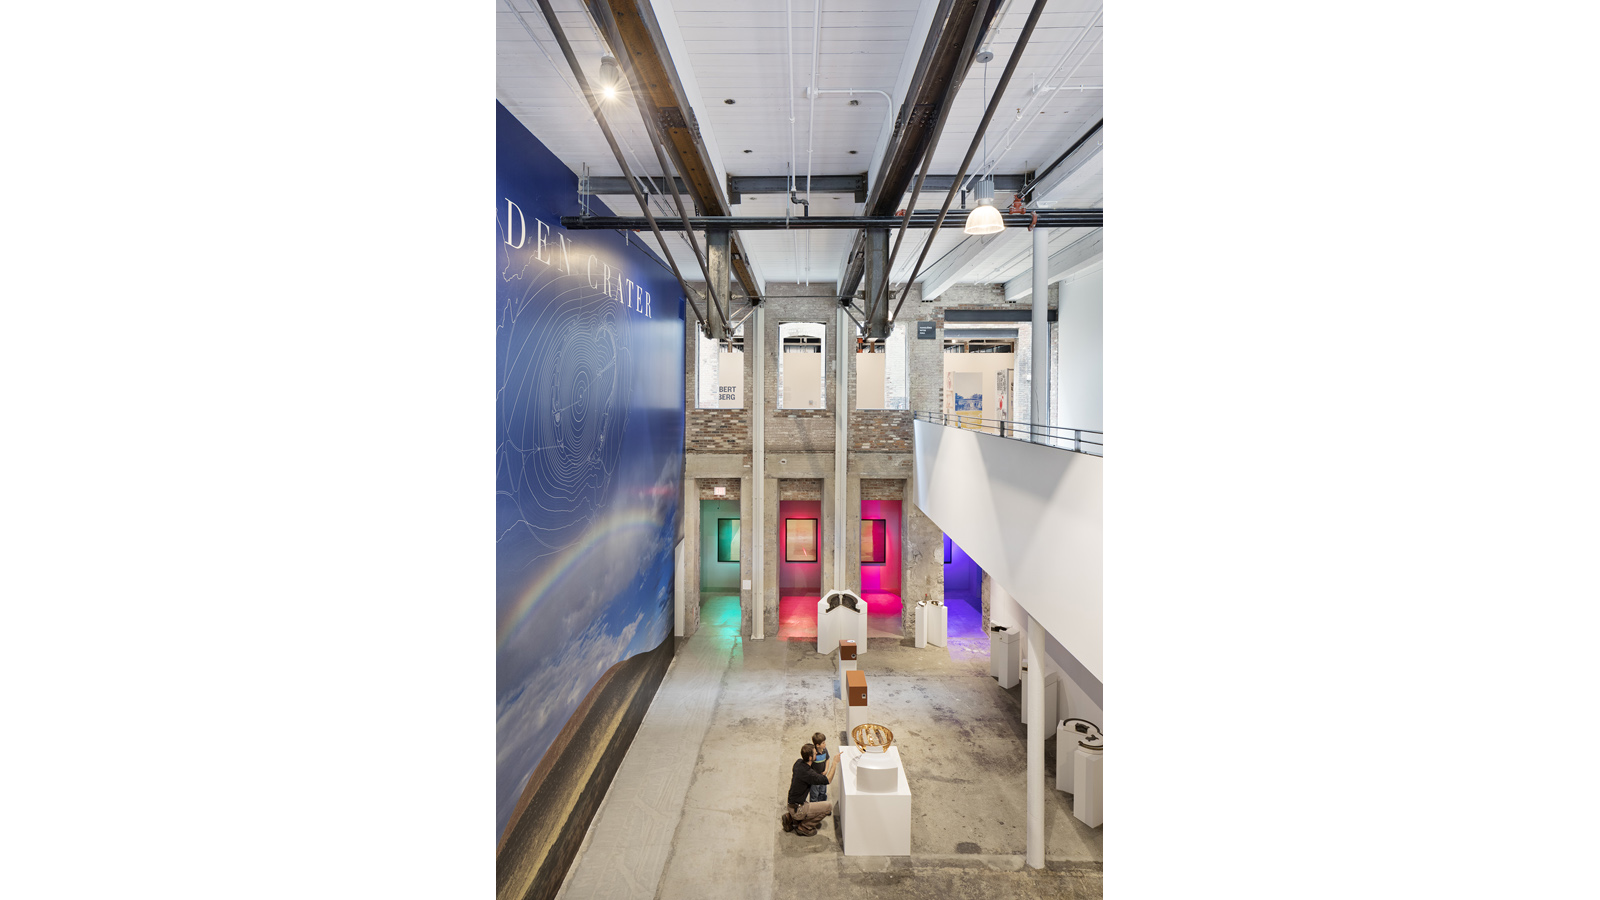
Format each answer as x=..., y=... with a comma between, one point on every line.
x=797, y=616
x=958, y=732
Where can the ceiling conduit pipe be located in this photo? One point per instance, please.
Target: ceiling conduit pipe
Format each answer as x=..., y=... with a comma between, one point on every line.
x=788, y=23
x=988, y=116
x=945, y=104
x=1009, y=140
x=1054, y=70
x=811, y=116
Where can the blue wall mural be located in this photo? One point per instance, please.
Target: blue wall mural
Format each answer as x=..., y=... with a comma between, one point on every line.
x=589, y=457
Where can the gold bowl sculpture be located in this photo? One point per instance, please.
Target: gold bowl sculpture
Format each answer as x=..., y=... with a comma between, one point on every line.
x=871, y=738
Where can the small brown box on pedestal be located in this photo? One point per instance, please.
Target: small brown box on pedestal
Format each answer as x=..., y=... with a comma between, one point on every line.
x=847, y=649
x=855, y=684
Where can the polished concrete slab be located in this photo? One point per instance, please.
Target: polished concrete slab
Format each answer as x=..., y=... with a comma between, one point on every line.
x=965, y=758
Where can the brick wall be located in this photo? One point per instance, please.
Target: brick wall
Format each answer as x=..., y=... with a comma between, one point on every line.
x=801, y=430
x=716, y=430
x=707, y=486
x=883, y=488
x=800, y=489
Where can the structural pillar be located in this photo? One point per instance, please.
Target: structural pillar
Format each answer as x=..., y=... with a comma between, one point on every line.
x=757, y=540
x=841, y=433
x=1039, y=397
x=1037, y=728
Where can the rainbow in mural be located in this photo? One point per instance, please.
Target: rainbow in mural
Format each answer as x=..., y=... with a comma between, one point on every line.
x=588, y=458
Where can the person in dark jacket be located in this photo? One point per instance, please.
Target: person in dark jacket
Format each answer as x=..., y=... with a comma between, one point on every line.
x=804, y=816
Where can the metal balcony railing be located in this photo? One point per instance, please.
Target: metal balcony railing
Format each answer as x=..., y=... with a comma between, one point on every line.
x=1075, y=440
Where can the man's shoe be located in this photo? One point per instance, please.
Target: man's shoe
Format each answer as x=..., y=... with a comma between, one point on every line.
x=788, y=822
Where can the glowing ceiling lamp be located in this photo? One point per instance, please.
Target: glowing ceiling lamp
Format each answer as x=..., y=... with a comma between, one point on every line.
x=984, y=218
x=610, y=76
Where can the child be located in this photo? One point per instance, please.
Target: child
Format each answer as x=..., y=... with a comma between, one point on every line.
x=823, y=764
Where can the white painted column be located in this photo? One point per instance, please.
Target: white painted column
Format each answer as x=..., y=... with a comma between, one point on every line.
x=841, y=433
x=758, y=475
x=1039, y=397
x=1037, y=728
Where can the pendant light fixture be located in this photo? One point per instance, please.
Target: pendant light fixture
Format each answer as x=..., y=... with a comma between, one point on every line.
x=610, y=76
x=984, y=218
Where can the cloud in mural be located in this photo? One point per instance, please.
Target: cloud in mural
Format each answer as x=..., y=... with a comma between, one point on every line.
x=530, y=717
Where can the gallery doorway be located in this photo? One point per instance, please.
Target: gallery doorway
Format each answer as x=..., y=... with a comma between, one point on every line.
x=963, y=591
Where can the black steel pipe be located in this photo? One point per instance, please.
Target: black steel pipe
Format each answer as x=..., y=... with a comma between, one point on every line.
x=1048, y=218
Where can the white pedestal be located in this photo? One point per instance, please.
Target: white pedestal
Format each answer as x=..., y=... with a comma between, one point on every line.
x=856, y=715
x=1005, y=657
x=851, y=625
x=921, y=627
x=1052, y=693
x=843, y=666
x=938, y=617
x=874, y=824
x=1086, y=778
x=841, y=624
x=1066, y=749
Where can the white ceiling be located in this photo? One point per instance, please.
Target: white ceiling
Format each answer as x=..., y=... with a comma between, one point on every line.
x=740, y=50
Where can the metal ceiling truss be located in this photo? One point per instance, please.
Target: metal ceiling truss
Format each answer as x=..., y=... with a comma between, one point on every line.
x=739, y=185
x=1047, y=218
x=947, y=55
x=630, y=27
x=972, y=149
x=605, y=128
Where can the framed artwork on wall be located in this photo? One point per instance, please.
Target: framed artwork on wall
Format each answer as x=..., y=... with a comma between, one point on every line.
x=727, y=540
x=947, y=543
x=800, y=540
x=874, y=542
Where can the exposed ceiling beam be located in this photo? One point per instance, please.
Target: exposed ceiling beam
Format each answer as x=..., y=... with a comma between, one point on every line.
x=942, y=59
x=739, y=185
x=1066, y=165
x=1083, y=160
x=1083, y=251
x=634, y=22
x=1047, y=218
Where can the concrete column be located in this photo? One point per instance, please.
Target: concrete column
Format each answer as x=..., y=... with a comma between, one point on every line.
x=757, y=536
x=851, y=523
x=827, y=540
x=1039, y=405
x=841, y=433
x=689, y=564
x=1037, y=730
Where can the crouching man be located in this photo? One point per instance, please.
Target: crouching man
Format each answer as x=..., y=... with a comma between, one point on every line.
x=804, y=816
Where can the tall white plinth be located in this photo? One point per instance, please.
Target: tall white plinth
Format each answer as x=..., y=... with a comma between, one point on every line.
x=921, y=626
x=1087, y=781
x=846, y=624
x=874, y=823
x=1066, y=760
x=938, y=624
x=827, y=641
x=1052, y=692
x=856, y=715
x=1005, y=656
